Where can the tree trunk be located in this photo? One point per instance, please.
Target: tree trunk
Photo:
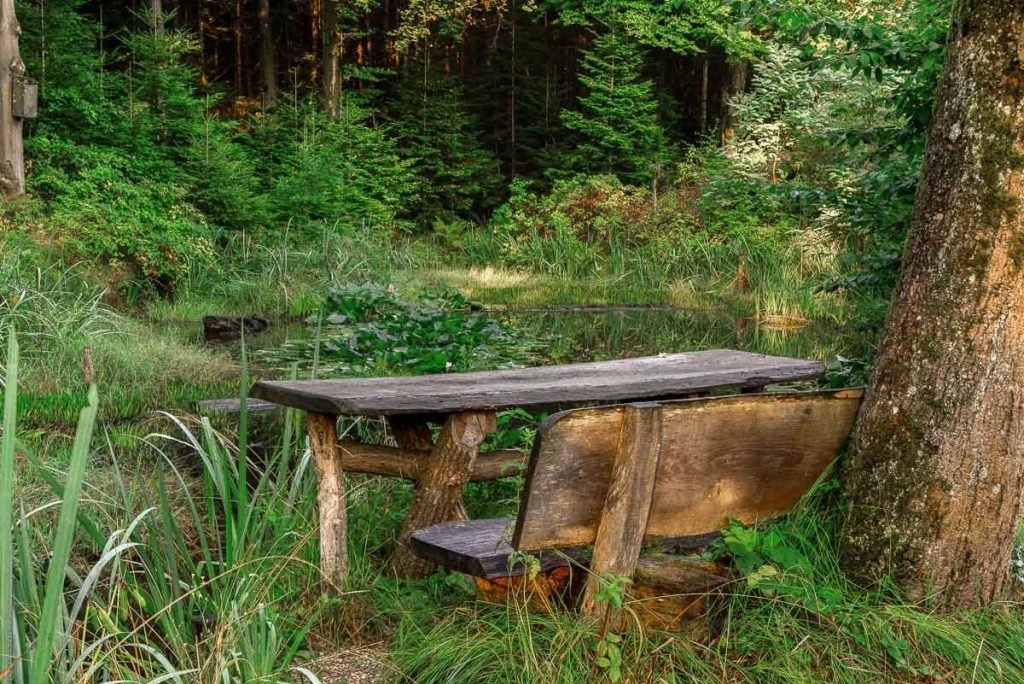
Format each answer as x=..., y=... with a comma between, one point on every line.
x=239, y=37
x=934, y=482
x=333, y=46
x=157, y=8
x=704, y=93
x=735, y=83
x=267, y=55
x=12, y=154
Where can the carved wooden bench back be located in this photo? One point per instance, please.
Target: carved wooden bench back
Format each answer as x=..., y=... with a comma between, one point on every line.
x=747, y=457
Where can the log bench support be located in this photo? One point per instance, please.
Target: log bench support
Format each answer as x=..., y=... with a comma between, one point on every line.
x=330, y=497
x=438, y=495
x=439, y=470
x=627, y=505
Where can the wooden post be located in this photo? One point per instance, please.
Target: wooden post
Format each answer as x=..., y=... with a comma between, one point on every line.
x=12, y=155
x=627, y=505
x=411, y=432
x=439, y=493
x=323, y=441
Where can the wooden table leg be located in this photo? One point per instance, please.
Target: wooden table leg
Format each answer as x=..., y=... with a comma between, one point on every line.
x=438, y=495
x=411, y=432
x=323, y=443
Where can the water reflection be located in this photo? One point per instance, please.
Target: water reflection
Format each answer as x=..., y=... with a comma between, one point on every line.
x=568, y=336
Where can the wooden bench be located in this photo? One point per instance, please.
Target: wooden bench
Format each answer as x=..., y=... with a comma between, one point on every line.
x=465, y=406
x=615, y=478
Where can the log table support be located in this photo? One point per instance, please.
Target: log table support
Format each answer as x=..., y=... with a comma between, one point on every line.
x=411, y=432
x=627, y=505
x=323, y=443
x=439, y=492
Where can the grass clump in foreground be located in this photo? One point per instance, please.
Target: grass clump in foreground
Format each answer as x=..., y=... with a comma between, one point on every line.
x=71, y=338
x=791, y=616
x=187, y=577
x=206, y=573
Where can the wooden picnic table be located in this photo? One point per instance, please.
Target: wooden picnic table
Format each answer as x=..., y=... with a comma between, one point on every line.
x=465, y=405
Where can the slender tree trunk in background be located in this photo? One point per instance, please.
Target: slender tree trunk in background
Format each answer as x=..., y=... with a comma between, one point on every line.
x=157, y=9
x=333, y=46
x=12, y=154
x=934, y=482
x=735, y=83
x=704, y=94
x=267, y=55
x=239, y=37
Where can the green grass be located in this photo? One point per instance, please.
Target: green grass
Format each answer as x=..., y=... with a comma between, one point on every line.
x=184, y=527
x=809, y=624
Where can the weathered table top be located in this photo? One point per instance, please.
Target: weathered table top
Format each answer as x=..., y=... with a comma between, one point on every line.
x=650, y=377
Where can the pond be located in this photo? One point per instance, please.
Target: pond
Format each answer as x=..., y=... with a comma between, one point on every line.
x=574, y=335
x=586, y=335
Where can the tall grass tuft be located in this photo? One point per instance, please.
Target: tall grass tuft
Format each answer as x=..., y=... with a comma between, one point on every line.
x=201, y=580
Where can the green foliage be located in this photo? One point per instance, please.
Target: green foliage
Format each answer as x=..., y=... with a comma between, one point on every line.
x=883, y=64
x=188, y=589
x=456, y=176
x=223, y=177
x=346, y=172
x=618, y=118
x=682, y=27
x=114, y=191
x=106, y=206
x=608, y=656
x=370, y=328
x=580, y=226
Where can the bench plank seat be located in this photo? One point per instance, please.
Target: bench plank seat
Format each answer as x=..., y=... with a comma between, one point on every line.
x=480, y=548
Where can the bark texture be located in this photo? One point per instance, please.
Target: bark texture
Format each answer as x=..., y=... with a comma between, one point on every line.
x=157, y=9
x=12, y=153
x=333, y=48
x=439, y=492
x=934, y=481
x=267, y=66
x=323, y=443
x=734, y=84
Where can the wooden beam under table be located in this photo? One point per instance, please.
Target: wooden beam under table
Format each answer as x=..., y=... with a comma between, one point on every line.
x=372, y=459
x=438, y=496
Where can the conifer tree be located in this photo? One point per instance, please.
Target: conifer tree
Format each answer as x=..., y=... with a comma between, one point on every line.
x=617, y=122
x=458, y=177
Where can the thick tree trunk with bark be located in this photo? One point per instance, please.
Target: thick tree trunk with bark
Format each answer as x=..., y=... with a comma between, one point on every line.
x=934, y=482
x=267, y=67
x=12, y=154
x=333, y=47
